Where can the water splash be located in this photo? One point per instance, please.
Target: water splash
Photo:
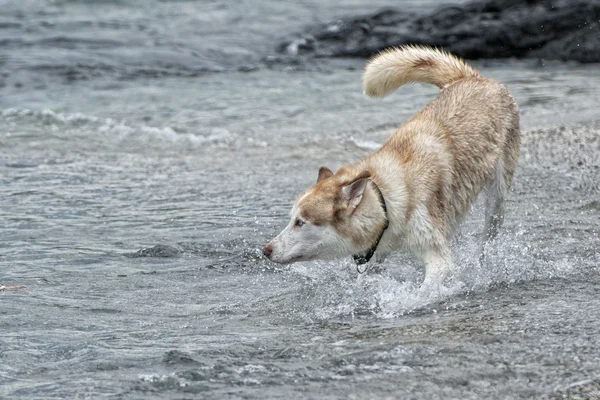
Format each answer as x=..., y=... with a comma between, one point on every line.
x=334, y=290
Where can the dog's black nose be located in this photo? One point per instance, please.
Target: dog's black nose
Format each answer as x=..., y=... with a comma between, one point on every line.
x=267, y=251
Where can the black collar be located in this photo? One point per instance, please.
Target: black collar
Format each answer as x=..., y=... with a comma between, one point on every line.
x=364, y=258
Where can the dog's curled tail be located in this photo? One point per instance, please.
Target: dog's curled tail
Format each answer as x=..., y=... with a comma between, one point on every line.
x=394, y=67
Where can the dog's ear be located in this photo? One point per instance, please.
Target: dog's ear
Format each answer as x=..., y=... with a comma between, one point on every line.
x=324, y=173
x=352, y=193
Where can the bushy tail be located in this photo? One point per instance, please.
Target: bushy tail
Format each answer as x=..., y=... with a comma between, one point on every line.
x=394, y=67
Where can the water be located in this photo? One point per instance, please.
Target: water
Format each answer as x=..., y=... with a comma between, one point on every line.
x=139, y=182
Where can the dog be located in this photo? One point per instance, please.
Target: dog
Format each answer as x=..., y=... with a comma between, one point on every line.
x=413, y=192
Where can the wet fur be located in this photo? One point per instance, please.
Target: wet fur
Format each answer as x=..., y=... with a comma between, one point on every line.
x=430, y=171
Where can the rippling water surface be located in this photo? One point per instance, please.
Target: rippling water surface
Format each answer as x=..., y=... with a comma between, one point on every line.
x=147, y=154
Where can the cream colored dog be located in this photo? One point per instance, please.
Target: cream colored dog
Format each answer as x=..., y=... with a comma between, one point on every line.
x=412, y=192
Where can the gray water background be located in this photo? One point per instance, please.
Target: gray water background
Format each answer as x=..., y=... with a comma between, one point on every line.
x=146, y=156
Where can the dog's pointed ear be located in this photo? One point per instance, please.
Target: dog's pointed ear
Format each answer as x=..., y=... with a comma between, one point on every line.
x=352, y=193
x=324, y=173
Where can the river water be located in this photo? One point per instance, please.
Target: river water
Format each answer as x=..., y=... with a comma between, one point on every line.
x=147, y=155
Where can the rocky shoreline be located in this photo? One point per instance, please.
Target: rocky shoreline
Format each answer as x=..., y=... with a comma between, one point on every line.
x=538, y=29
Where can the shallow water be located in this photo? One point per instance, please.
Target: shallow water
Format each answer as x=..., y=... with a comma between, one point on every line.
x=134, y=206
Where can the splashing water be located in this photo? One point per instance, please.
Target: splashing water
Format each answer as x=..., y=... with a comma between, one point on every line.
x=138, y=187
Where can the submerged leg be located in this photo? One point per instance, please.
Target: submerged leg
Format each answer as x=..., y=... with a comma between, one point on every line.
x=438, y=264
x=494, y=216
x=495, y=192
x=380, y=257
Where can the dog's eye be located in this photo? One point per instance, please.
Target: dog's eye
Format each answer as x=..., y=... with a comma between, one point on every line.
x=299, y=222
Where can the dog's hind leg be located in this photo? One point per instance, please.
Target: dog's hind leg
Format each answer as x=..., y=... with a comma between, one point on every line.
x=495, y=193
x=498, y=186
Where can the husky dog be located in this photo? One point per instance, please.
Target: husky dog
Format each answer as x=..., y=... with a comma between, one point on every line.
x=413, y=191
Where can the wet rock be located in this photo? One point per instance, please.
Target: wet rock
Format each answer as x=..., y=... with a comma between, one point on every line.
x=160, y=250
x=579, y=390
x=581, y=45
x=178, y=357
x=592, y=206
x=547, y=29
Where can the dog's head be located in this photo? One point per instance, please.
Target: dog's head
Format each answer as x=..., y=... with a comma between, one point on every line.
x=338, y=216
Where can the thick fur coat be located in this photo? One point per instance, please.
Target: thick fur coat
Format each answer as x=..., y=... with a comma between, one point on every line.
x=430, y=170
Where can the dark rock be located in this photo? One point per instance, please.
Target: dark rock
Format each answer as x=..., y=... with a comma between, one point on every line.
x=589, y=389
x=178, y=357
x=593, y=206
x=581, y=45
x=548, y=29
x=160, y=250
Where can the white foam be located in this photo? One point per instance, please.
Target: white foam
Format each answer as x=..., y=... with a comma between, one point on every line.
x=337, y=291
x=113, y=132
x=364, y=144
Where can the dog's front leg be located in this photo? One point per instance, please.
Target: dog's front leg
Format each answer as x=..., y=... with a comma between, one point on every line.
x=438, y=263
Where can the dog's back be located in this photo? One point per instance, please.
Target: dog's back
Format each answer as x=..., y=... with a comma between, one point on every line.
x=473, y=119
